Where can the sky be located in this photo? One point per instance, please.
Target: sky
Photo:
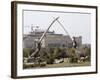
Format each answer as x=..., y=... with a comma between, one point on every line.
x=76, y=24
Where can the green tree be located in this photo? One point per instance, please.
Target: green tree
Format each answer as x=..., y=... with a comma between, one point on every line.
x=73, y=55
x=56, y=52
x=88, y=53
x=26, y=52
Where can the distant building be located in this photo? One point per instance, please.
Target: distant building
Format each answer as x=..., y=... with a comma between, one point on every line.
x=57, y=40
x=78, y=41
x=50, y=40
x=86, y=45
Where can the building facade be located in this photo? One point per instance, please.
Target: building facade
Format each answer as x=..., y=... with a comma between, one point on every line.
x=50, y=39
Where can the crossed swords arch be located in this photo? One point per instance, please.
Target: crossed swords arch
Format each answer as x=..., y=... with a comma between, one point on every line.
x=39, y=42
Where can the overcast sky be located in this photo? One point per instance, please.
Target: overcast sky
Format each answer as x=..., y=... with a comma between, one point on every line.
x=77, y=24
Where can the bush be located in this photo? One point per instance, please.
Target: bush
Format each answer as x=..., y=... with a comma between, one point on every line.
x=26, y=52
x=73, y=60
x=50, y=61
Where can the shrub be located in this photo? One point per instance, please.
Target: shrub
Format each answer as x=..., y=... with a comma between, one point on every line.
x=26, y=52
x=50, y=61
x=73, y=60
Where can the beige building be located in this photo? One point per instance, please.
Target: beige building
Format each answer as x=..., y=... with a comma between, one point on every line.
x=57, y=40
x=78, y=41
x=50, y=40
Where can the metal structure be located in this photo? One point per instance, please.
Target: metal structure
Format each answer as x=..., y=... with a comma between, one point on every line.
x=74, y=42
x=38, y=47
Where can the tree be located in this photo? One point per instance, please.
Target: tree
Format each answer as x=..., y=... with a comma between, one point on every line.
x=26, y=52
x=56, y=52
x=63, y=53
x=88, y=53
x=43, y=54
x=73, y=55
